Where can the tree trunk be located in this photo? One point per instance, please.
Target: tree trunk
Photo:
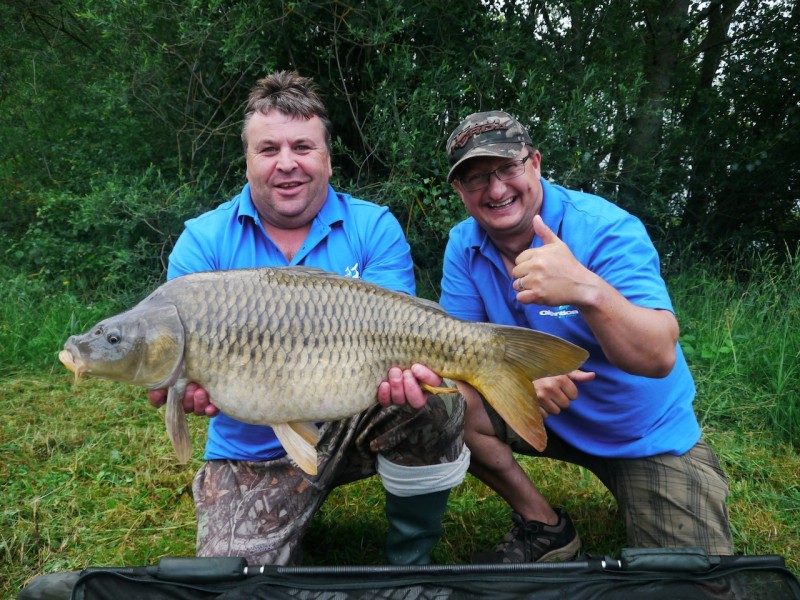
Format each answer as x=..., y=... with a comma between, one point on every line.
x=698, y=114
x=665, y=31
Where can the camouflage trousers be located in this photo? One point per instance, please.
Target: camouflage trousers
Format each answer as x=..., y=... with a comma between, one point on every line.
x=261, y=510
x=665, y=500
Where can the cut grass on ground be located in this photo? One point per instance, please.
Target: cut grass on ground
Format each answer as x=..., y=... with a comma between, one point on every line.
x=89, y=479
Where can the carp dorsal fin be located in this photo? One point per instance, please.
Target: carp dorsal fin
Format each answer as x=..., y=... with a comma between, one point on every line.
x=298, y=439
x=177, y=424
x=308, y=270
x=430, y=304
x=305, y=270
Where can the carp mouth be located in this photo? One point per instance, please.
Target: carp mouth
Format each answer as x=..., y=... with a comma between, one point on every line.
x=76, y=365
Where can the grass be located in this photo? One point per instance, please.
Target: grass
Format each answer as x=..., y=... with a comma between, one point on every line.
x=87, y=475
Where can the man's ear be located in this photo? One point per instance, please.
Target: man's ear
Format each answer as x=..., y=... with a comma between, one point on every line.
x=457, y=187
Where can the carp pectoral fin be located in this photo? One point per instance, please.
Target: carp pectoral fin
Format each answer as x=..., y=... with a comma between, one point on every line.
x=513, y=397
x=298, y=440
x=177, y=424
x=438, y=390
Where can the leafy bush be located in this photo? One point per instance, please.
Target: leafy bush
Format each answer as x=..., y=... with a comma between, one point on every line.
x=112, y=241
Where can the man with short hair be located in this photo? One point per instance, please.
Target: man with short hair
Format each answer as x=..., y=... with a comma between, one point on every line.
x=250, y=499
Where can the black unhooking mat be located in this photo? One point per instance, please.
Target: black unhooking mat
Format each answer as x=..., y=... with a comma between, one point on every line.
x=638, y=573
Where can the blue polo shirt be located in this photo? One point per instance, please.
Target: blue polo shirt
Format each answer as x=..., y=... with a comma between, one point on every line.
x=348, y=236
x=617, y=414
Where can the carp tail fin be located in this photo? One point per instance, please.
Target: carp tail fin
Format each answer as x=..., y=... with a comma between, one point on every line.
x=539, y=354
x=508, y=387
x=511, y=394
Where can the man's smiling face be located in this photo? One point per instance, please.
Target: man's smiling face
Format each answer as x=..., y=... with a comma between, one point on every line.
x=504, y=207
x=288, y=168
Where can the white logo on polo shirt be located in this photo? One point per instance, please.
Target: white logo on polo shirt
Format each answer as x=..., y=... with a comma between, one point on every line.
x=559, y=312
x=352, y=272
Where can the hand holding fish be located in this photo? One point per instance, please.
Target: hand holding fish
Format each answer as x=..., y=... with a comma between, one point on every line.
x=403, y=386
x=195, y=400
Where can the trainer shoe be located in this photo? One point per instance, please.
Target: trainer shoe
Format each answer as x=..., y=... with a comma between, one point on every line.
x=534, y=541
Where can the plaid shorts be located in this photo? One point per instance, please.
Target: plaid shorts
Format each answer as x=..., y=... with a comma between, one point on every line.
x=666, y=500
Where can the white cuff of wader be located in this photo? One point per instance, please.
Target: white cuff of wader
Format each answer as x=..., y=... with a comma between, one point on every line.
x=414, y=481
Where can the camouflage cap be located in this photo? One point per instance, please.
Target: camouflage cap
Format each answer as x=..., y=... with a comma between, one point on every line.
x=492, y=133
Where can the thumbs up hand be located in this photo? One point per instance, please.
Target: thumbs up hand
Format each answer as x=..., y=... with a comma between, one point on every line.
x=550, y=275
x=547, y=235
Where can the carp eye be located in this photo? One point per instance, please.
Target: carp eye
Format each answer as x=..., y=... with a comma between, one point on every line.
x=113, y=338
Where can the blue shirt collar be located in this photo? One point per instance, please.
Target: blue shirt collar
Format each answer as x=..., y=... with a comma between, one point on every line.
x=331, y=212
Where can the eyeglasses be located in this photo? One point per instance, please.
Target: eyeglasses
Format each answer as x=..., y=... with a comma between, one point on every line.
x=479, y=181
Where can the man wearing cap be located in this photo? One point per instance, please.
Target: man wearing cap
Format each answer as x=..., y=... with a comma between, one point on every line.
x=537, y=255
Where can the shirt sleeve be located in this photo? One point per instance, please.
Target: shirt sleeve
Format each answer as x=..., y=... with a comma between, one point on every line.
x=387, y=254
x=460, y=295
x=190, y=255
x=624, y=256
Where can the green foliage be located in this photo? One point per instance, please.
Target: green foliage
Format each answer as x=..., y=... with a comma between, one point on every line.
x=36, y=318
x=74, y=493
x=68, y=113
x=685, y=118
x=112, y=241
x=741, y=338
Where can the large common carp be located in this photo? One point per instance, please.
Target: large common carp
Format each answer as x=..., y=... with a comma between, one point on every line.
x=291, y=346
